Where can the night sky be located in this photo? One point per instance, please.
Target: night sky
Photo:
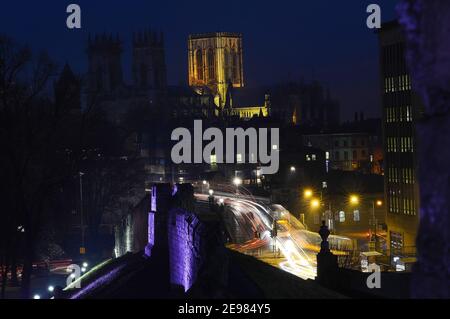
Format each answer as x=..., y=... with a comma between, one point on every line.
x=325, y=40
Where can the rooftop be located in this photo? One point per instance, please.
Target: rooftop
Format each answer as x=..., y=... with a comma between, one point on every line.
x=215, y=35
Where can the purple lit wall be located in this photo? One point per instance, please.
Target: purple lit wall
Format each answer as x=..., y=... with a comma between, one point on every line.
x=151, y=234
x=183, y=248
x=427, y=27
x=153, y=199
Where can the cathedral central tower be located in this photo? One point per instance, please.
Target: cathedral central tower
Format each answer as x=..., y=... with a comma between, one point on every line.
x=215, y=64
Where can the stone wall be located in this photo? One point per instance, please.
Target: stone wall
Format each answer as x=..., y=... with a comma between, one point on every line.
x=175, y=237
x=427, y=27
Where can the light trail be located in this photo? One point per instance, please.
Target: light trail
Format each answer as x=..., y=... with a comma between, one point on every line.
x=297, y=245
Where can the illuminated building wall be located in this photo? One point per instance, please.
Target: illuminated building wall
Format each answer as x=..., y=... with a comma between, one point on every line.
x=401, y=109
x=215, y=61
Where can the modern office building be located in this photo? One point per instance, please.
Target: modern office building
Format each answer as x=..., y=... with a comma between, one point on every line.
x=401, y=109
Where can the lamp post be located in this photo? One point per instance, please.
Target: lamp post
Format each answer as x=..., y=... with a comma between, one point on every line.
x=307, y=193
x=204, y=184
x=237, y=181
x=378, y=203
x=211, y=197
x=354, y=200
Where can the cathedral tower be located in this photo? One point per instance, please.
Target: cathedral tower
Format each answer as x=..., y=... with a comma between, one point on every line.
x=105, y=67
x=149, y=66
x=215, y=64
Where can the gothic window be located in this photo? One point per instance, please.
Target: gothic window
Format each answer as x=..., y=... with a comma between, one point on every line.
x=199, y=64
x=235, y=66
x=211, y=66
x=227, y=64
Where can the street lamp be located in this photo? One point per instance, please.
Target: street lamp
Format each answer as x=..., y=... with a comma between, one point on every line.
x=315, y=203
x=211, y=192
x=378, y=203
x=354, y=200
x=237, y=181
x=292, y=169
x=307, y=193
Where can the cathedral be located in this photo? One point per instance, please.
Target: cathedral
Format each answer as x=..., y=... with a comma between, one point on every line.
x=215, y=68
x=105, y=83
x=215, y=91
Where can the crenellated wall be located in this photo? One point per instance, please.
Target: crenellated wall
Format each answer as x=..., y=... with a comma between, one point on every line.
x=175, y=237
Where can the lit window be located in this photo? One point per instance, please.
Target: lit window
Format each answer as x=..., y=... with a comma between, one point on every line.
x=274, y=147
x=239, y=158
x=213, y=159
x=308, y=158
x=341, y=216
x=327, y=155
x=313, y=157
x=355, y=216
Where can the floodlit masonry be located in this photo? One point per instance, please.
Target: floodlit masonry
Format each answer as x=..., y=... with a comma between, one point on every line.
x=213, y=152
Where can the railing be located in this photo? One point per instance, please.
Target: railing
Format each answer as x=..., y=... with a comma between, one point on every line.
x=388, y=260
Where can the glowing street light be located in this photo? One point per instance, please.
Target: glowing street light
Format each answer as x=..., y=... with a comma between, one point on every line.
x=211, y=192
x=307, y=193
x=237, y=181
x=315, y=203
x=51, y=288
x=293, y=169
x=85, y=265
x=379, y=203
x=205, y=182
x=354, y=200
x=36, y=296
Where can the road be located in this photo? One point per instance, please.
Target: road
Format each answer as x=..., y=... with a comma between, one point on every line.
x=249, y=223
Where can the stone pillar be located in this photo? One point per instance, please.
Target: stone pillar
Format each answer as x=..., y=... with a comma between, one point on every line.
x=427, y=27
x=327, y=265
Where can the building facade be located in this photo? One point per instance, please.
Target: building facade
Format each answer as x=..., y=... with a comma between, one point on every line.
x=401, y=109
x=349, y=150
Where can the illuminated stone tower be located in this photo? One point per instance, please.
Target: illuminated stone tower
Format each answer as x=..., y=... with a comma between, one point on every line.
x=215, y=64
